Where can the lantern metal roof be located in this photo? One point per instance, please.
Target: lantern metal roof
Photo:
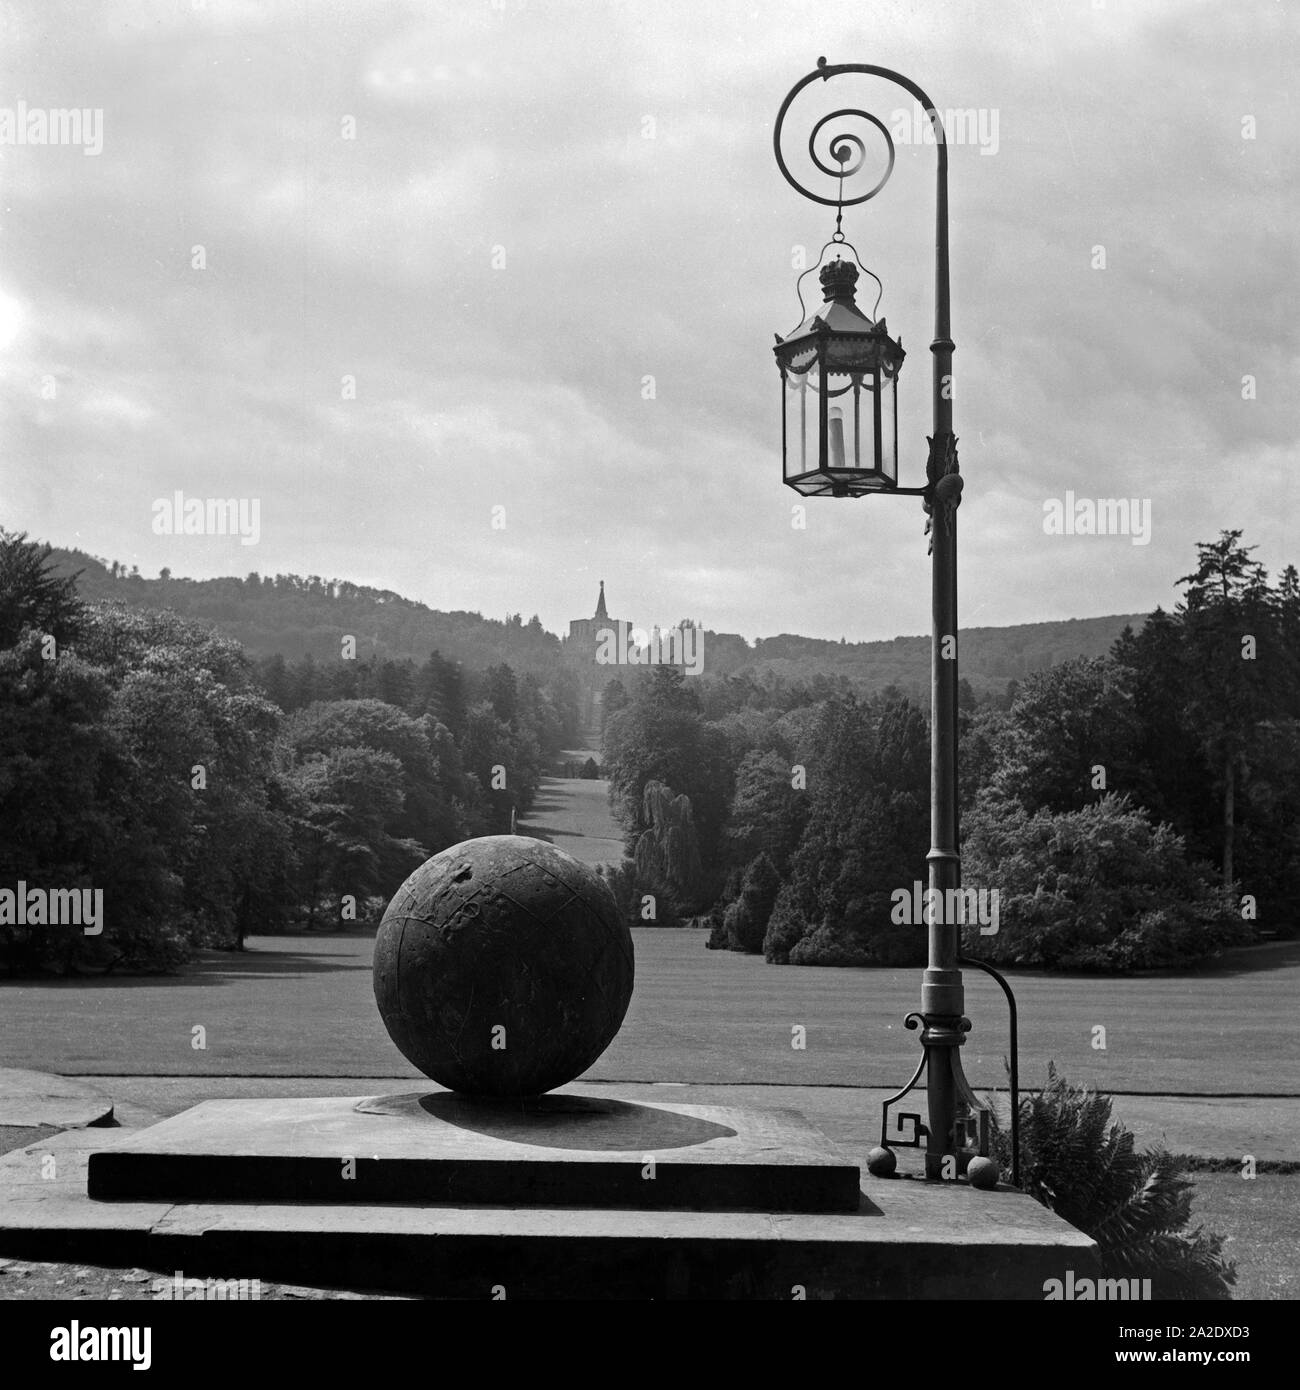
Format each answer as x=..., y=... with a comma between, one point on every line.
x=854, y=343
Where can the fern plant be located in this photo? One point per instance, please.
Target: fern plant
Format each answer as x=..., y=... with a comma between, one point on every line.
x=1135, y=1205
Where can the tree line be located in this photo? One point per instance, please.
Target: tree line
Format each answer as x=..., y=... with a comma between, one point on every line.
x=1130, y=810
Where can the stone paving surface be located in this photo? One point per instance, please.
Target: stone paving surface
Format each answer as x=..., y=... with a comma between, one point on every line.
x=1266, y=1126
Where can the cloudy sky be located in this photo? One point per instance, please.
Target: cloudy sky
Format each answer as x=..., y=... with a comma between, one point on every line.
x=507, y=254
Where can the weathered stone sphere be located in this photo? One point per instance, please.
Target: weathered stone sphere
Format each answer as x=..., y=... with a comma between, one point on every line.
x=502, y=967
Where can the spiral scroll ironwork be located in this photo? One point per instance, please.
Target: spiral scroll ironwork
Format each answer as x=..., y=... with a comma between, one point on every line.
x=845, y=148
x=839, y=147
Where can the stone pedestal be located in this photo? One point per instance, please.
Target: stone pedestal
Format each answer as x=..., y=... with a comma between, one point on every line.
x=445, y=1149
x=568, y=1196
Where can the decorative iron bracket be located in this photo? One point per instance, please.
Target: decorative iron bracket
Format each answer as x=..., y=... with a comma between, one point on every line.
x=972, y=1125
x=944, y=484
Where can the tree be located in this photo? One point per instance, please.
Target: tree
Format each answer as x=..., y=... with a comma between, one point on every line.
x=73, y=806
x=613, y=698
x=1236, y=669
x=981, y=740
x=306, y=683
x=654, y=739
x=1288, y=635
x=1169, y=776
x=439, y=691
x=32, y=596
x=668, y=852
x=1069, y=737
x=351, y=796
x=747, y=918
x=204, y=738
x=641, y=902
x=488, y=750
x=501, y=688
x=140, y=762
x=661, y=736
x=865, y=838
x=274, y=678
x=767, y=811
x=1101, y=888
x=426, y=814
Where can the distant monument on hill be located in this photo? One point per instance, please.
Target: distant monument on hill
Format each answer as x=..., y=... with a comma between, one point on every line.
x=604, y=641
x=584, y=633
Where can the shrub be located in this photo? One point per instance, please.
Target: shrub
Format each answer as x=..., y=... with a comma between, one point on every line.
x=830, y=944
x=717, y=920
x=1085, y=1168
x=1101, y=888
x=746, y=919
x=789, y=919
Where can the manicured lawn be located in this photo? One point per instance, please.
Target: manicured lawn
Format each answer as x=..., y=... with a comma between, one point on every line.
x=1261, y=1218
x=729, y=1018
x=573, y=814
x=302, y=1006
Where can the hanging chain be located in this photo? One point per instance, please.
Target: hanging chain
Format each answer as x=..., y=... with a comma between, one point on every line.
x=838, y=235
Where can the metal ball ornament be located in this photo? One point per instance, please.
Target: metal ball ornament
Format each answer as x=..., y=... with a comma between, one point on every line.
x=982, y=1173
x=882, y=1163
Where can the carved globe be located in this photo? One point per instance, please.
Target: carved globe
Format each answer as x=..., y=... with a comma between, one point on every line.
x=502, y=967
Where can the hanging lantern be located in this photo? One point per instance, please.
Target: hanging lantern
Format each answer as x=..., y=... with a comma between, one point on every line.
x=839, y=396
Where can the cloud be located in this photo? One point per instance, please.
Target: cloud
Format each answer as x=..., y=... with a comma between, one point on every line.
x=112, y=407
x=550, y=254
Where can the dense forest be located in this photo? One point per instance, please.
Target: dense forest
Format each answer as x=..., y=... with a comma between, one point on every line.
x=1135, y=809
x=147, y=756
x=1133, y=806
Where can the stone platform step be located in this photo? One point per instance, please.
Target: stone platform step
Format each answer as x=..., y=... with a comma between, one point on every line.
x=903, y=1238
x=547, y=1151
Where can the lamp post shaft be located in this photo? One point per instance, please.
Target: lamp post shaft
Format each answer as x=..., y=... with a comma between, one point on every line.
x=942, y=996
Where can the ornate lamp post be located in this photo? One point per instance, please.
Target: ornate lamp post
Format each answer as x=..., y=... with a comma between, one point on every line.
x=839, y=381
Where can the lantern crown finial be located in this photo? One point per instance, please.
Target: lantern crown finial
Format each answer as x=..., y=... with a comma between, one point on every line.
x=839, y=280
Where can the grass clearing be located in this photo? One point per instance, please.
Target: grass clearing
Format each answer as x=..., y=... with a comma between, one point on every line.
x=303, y=1006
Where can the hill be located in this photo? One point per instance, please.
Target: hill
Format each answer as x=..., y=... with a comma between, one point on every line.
x=299, y=617
x=989, y=657
x=296, y=616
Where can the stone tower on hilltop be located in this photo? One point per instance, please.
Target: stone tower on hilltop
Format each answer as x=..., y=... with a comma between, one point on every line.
x=584, y=633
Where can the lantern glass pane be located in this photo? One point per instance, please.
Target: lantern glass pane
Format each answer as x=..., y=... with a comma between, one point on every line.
x=877, y=437
x=889, y=430
x=800, y=423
